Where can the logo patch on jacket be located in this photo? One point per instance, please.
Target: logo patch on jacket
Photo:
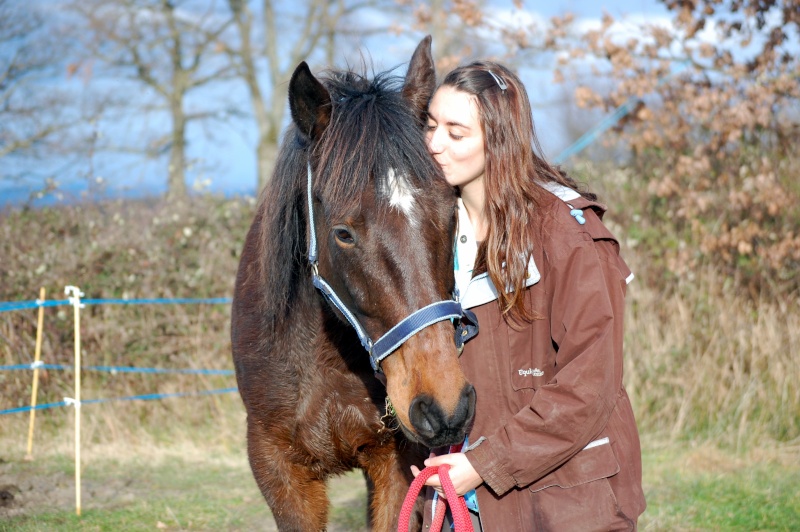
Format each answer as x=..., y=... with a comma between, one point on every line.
x=534, y=372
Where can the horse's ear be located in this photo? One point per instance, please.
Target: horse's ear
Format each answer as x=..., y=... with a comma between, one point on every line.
x=309, y=102
x=420, y=79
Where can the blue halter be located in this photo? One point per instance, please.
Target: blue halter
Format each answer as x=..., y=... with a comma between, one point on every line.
x=395, y=337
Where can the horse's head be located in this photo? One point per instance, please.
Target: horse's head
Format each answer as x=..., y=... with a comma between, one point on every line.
x=384, y=220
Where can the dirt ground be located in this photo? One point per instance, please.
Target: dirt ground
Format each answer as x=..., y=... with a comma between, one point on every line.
x=29, y=489
x=200, y=474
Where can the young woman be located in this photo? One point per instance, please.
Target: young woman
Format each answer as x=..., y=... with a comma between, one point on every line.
x=554, y=445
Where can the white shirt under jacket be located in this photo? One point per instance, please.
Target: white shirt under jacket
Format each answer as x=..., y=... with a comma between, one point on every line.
x=480, y=289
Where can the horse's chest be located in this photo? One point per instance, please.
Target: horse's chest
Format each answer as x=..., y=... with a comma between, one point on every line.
x=336, y=420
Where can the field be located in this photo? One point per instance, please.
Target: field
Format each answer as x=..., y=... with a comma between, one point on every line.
x=712, y=375
x=198, y=479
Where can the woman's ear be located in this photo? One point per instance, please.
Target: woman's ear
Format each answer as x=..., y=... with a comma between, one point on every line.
x=420, y=80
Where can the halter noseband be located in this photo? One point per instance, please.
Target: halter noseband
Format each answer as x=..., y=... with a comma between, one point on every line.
x=395, y=337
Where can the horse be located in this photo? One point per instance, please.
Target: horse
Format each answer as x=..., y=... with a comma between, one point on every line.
x=353, y=232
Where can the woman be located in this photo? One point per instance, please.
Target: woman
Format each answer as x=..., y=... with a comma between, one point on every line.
x=554, y=445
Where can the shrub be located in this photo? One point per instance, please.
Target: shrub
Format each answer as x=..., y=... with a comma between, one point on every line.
x=712, y=137
x=121, y=249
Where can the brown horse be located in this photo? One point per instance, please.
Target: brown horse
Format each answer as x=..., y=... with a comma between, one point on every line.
x=383, y=219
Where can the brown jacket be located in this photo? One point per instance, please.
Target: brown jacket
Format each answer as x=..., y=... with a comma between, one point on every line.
x=554, y=436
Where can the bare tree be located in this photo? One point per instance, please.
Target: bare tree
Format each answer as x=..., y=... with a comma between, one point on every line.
x=169, y=47
x=461, y=29
x=33, y=116
x=278, y=36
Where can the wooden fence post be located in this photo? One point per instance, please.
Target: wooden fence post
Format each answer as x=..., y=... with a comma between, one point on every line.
x=75, y=300
x=36, y=363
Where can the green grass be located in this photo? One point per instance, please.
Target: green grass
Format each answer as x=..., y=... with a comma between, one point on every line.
x=708, y=489
x=752, y=500
x=687, y=488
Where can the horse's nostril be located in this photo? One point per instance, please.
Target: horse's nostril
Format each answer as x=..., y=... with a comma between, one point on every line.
x=426, y=416
x=466, y=406
x=433, y=425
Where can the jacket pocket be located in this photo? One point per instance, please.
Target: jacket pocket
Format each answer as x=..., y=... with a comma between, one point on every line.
x=595, y=461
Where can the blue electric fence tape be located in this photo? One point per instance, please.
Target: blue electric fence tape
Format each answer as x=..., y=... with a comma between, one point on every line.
x=7, y=306
x=120, y=369
x=146, y=397
x=590, y=136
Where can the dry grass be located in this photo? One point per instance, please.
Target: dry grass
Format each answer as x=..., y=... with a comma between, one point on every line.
x=705, y=358
x=108, y=434
x=705, y=362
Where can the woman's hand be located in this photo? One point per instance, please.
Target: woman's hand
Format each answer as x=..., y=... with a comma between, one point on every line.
x=463, y=475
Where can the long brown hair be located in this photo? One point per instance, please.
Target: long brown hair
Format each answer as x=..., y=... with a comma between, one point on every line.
x=513, y=166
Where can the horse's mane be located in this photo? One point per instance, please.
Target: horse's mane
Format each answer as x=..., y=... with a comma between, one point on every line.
x=372, y=130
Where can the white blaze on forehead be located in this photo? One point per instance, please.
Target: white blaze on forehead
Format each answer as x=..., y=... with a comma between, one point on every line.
x=401, y=193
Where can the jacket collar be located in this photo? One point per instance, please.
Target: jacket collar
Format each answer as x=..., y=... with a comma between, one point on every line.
x=474, y=291
x=560, y=191
x=573, y=199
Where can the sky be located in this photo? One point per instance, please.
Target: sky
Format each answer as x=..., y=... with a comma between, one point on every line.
x=595, y=9
x=226, y=156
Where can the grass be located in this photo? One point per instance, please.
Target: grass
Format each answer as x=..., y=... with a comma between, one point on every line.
x=704, y=488
x=135, y=494
x=176, y=477
x=704, y=363
x=197, y=478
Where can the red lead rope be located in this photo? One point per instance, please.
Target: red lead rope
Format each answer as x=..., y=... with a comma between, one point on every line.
x=458, y=507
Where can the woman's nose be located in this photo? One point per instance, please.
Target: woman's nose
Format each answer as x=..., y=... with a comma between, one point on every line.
x=434, y=145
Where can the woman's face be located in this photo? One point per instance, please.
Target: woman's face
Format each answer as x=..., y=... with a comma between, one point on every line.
x=455, y=137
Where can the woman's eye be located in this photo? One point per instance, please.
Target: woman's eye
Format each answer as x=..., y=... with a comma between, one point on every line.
x=456, y=137
x=344, y=236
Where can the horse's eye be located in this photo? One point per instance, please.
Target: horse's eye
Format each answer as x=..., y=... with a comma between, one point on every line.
x=343, y=236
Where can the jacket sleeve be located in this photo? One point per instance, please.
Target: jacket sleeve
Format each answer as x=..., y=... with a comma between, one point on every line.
x=585, y=282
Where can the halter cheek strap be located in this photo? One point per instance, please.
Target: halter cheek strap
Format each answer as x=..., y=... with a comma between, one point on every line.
x=408, y=327
x=321, y=284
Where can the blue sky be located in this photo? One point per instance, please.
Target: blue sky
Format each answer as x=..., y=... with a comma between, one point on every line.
x=594, y=9
x=226, y=155
x=540, y=87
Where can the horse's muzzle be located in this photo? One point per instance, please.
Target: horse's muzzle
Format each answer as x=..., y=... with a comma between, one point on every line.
x=434, y=427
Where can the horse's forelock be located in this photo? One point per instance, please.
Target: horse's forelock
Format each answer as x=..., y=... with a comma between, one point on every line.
x=373, y=134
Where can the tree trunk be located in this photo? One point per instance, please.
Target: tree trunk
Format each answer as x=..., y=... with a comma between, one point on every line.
x=269, y=133
x=267, y=152
x=176, y=181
